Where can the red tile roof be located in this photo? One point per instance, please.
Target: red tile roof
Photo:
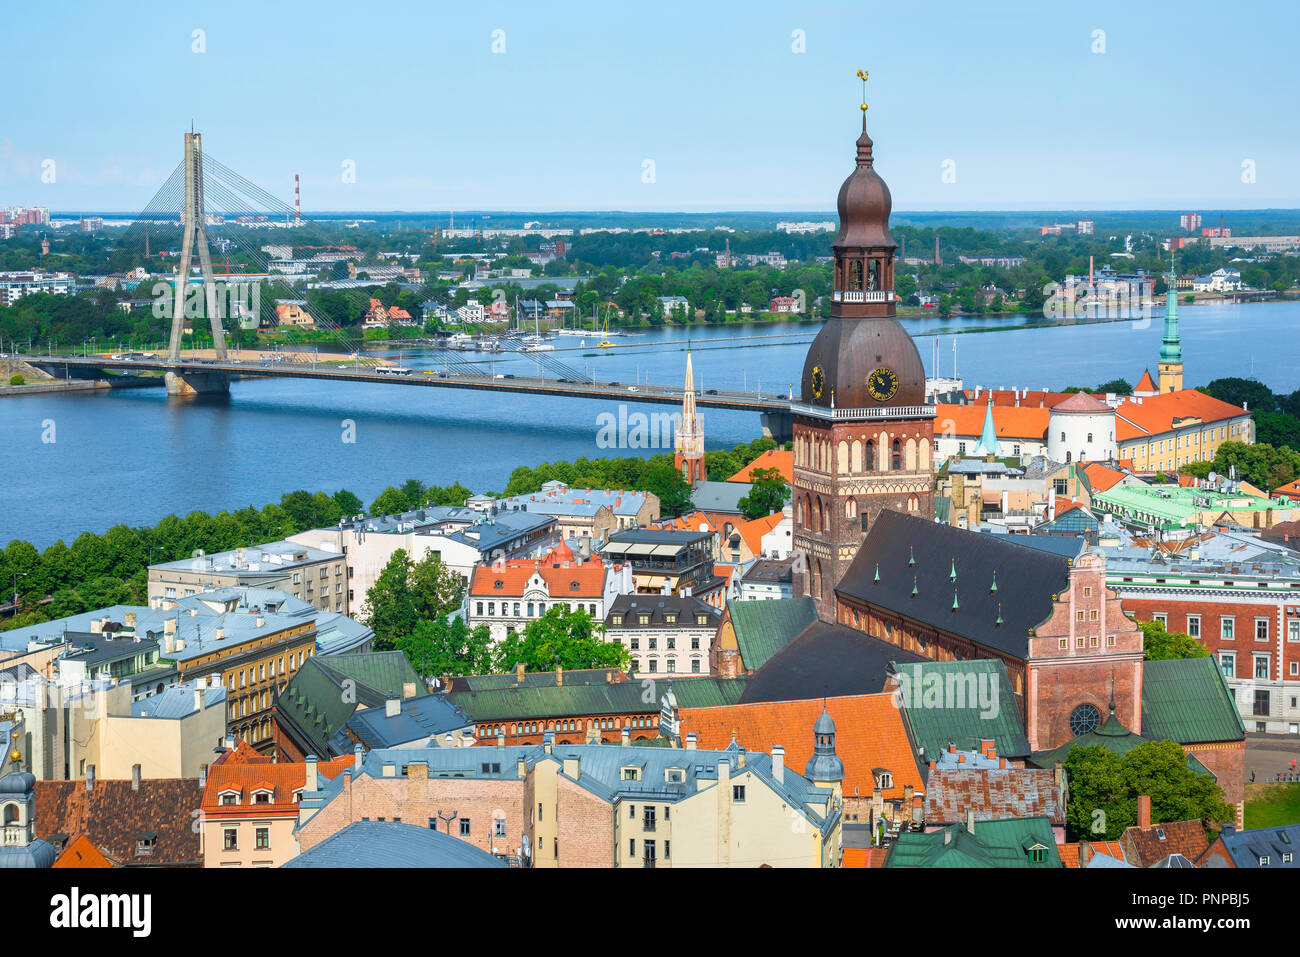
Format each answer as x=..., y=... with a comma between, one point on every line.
x=1144, y=846
x=863, y=856
x=1070, y=852
x=1102, y=478
x=281, y=778
x=81, y=852
x=869, y=735
x=754, y=530
x=559, y=577
x=993, y=794
x=1081, y=402
x=1008, y=421
x=1013, y=397
x=1157, y=414
x=1146, y=383
x=778, y=459
x=113, y=815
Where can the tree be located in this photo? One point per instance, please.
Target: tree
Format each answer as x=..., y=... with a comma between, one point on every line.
x=348, y=503
x=768, y=494
x=561, y=638
x=447, y=646
x=1101, y=780
x=1237, y=391
x=389, y=608
x=436, y=588
x=1118, y=386
x=390, y=502
x=665, y=481
x=1162, y=645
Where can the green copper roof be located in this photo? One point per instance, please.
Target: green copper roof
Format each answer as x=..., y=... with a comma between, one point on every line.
x=1113, y=736
x=988, y=443
x=765, y=627
x=314, y=702
x=1171, y=347
x=1005, y=843
x=940, y=706
x=1187, y=700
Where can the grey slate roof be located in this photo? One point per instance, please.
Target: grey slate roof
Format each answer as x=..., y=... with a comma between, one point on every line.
x=421, y=717
x=392, y=844
x=1246, y=848
x=719, y=496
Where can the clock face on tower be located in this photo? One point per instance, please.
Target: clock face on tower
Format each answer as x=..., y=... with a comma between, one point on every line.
x=818, y=382
x=882, y=383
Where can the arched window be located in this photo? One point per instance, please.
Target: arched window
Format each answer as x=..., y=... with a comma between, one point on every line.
x=896, y=458
x=913, y=503
x=1089, y=437
x=870, y=457
x=855, y=274
x=821, y=517
x=873, y=275
x=10, y=814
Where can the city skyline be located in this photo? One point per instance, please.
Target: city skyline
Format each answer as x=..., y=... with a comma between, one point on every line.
x=1016, y=109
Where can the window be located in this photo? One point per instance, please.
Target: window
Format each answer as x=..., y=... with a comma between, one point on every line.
x=1037, y=855
x=1261, y=666
x=1261, y=629
x=464, y=827
x=1293, y=631
x=738, y=793
x=1261, y=704
x=1226, y=628
x=499, y=827
x=1084, y=719
x=648, y=818
x=1194, y=626
x=1228, y=664
x=695, y=666
x=230, y=839
x=1163, y=618
x=262, y=838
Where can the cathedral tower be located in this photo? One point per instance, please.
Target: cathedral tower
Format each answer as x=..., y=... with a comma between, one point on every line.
x=863, y=432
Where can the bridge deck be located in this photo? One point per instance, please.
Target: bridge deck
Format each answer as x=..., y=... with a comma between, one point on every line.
x=623, y=392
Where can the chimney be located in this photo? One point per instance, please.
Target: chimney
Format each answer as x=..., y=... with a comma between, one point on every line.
x=626, y=737
x=392, y=707
x=203, y=776
x=778, y=763
x=408, y=689
x=548, y=741
x=970, y=820
x=988, y=748
x=311, y=781
x=198, y=696
x=261, y=622
x=221, y=634
x=1085, y=853
x=90, y=777
x=1058, y=775
x=559, y=676
x=501, y=737
x=135, y=777
x=724, y=774
x=691, y=741
x=1144, y=810
x=519, y=673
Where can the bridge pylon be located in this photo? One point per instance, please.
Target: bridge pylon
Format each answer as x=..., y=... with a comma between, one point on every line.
x=195, y=236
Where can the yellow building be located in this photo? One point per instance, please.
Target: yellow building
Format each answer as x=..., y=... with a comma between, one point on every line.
x=1164, y=432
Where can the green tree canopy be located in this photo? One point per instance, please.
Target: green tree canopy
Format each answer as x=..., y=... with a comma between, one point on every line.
x=1105, y=782
x=768, y=495
x=563, y=638
x=447, y=646
x=1162, y=645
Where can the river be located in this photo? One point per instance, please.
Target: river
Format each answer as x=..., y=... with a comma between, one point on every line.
x=134, y=456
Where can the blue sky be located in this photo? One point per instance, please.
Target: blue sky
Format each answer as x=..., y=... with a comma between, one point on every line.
x=712, y=93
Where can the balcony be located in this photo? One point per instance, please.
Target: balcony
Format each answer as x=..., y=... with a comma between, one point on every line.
x=862, y=295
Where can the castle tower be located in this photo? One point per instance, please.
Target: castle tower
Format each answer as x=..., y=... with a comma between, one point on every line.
x=688, y=448
x=863, y=433
x=1171, y=347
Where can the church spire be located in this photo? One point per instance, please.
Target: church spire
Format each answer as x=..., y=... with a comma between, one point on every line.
x=1171, y=346
x=688, y=452
x=988, y=443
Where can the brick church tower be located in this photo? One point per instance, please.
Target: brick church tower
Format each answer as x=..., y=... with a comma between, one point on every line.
x=688, y=450
x=863, y=433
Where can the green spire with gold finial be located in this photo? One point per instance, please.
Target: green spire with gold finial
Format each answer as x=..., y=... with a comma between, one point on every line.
x=999, y=621
x=994, y=587
x=953, y=576
x=877, y=578
x=955, y=606
x=1171, y=346
x=911, y=556
x=914, y=586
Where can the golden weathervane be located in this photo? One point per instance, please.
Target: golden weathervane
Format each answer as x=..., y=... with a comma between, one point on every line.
x=862, y=75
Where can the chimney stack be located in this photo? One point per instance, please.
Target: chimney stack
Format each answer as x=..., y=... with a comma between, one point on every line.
x=519, y=673
x=311, y=781
x=778, y=763
x=1144, y=810
x=970, y=820
x=392, y=707
x=135, y=777
x=1085, y=853
x=626, y=737
x=559, y=676
x=90, y=777
x=691, y=741
x=198, y=696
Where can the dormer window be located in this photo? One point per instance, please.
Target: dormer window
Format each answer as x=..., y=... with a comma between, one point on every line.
x=616, y=619
x=573, y=586
x=498, y=584
x=1037, y=854
x=227, y=798
x=631, y=774
x=262, y=796
x=670, y=617
x=145, y=843
x=674, y=775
